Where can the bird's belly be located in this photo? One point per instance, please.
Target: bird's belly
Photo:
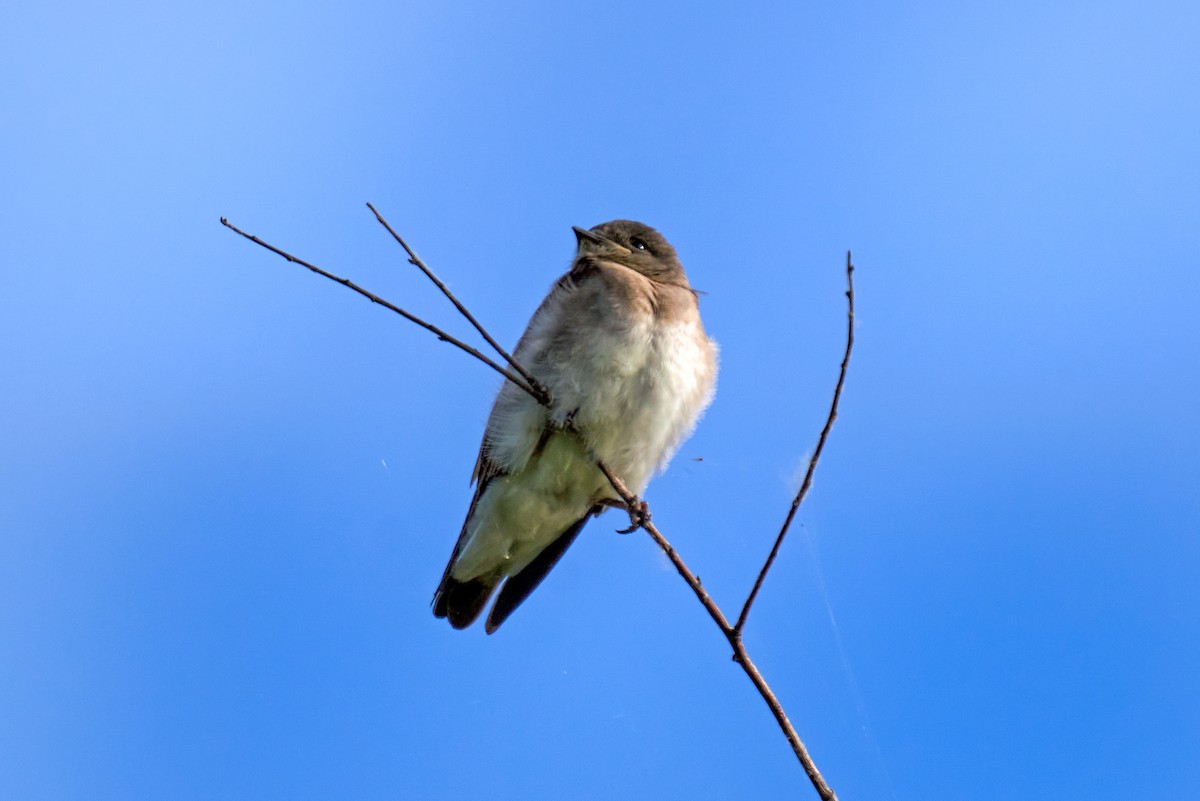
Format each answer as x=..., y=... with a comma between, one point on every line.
x=645, y=401
x=519, y=514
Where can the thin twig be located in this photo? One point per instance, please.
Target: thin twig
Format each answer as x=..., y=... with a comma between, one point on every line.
x=742, y=658
x=632, y=501
x=442, y=335
x=816, y=453
x=812, y=462
x=543, y=396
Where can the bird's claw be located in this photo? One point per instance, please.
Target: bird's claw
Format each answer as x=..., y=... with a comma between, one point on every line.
x=566, y=422
x=639, y=515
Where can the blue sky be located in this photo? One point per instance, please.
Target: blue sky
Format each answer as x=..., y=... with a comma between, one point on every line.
x=228, y=488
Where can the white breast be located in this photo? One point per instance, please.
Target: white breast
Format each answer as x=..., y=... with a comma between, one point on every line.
x=648, y=400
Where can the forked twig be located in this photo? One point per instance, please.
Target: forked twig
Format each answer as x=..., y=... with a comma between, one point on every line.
x=542, y=394
x=733, y=633
x=734, y=636
x=439, y=333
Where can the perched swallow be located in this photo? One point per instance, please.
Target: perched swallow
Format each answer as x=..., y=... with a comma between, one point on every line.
x=620, y=346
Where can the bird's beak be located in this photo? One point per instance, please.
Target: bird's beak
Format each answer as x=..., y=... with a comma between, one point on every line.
x=592, y=242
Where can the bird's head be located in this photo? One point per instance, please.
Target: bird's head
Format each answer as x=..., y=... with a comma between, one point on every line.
x=634, y=245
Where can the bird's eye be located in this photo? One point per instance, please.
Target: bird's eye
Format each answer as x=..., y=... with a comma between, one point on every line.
x=638, y=244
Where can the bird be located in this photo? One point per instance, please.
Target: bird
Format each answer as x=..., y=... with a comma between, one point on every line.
x=620, y=347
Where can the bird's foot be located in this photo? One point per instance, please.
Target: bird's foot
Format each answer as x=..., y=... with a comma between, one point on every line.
x=565, y=422
x=639, y=515
x=639, y=512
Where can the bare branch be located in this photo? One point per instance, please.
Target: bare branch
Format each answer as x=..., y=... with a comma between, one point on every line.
x=542, y=395
x=812, y=462
x=642, y=520
x=439, y=333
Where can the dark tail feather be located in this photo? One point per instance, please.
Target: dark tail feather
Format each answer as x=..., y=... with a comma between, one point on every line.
x=518, y=587
x=463, y=601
